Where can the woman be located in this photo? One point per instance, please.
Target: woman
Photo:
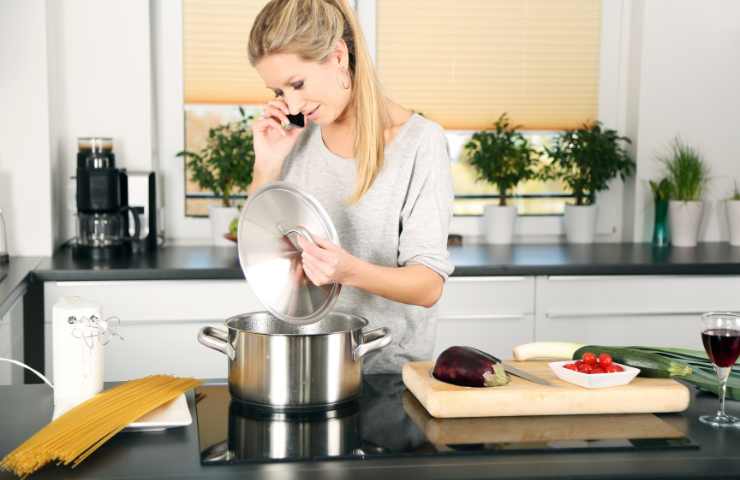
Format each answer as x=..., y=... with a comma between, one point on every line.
x=381, y=172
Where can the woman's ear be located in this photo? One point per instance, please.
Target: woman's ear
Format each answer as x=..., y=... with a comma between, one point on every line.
x=341, y=54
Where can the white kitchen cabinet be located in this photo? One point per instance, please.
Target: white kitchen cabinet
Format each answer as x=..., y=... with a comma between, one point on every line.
x=11, y=344
x=493, y=314
x=631, y=310
x=159, y=323
x=159, y=320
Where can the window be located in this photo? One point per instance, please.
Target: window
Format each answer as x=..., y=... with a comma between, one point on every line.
x=461, y=65
x=217, y=76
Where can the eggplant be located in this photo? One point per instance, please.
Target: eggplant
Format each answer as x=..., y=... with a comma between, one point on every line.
x=469, y=367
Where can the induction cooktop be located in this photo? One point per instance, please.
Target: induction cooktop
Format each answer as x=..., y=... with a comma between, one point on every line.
x=388, y=421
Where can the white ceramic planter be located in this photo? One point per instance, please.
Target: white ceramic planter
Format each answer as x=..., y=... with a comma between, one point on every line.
x=580, y=223
x=220, y=218
x=733, y=221
x=684, y=219
x=498, y=223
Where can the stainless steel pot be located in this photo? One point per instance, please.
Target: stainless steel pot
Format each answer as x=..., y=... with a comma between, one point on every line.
x=280, y=364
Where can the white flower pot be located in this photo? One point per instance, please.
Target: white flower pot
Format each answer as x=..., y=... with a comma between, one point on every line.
x=498, y=223
x=733, y=221
x=580, y=223
x=684, y=219
x=220, y=218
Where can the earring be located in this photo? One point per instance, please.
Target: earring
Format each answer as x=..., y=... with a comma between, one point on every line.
x=346, y=83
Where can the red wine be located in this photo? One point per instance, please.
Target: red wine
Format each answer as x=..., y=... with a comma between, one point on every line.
x=722, y=345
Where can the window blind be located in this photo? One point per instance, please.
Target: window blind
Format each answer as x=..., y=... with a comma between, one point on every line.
x=463, y=63
x=215, y=63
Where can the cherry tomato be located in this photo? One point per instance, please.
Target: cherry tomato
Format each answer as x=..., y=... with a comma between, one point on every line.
x=605, y=359
x=613, y=368
x=598, y=370
x=571, y=366
x=589, y=358
x=585, y=368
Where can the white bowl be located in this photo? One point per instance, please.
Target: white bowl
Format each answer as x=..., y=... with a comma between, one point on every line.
x=594, y=380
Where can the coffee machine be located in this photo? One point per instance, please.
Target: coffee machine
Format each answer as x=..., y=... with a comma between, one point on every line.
x=105, y=220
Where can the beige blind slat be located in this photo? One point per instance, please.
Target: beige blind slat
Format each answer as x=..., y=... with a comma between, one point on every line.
x=463, y=63
x=460, y=63
x=216, y=33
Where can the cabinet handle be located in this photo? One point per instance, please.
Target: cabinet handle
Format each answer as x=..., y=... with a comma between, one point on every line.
x=487, y=279
x=556, y=315
x=156, y=321
x=502, y=316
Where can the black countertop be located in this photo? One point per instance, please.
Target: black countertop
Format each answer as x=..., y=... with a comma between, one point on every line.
x=221, y=263
x=13, y=285
x=175, y=453
x=196, y=262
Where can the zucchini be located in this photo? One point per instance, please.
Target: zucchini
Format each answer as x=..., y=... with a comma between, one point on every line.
x=650, y=364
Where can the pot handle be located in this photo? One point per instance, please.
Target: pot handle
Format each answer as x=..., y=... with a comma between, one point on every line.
x=216, y=339
x=372, y=340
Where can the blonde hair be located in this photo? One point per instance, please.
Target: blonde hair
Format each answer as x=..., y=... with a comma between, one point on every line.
x=311, y=29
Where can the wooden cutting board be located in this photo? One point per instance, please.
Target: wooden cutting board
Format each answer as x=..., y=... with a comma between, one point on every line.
x=446, y=431
x=520, y=397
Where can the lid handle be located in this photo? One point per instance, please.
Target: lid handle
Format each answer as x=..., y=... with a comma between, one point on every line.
x=291, y=232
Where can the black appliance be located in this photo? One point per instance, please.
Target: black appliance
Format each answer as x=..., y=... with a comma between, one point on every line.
x=386, y=422
x=102, y=198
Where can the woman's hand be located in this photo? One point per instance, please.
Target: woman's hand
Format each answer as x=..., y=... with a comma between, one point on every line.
x=325, y=262
x=272, y=142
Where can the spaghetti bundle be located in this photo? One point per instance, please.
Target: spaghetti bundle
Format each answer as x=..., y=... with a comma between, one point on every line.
x=74, y=436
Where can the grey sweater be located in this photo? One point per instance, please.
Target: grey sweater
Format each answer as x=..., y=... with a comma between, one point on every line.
x=403, y=219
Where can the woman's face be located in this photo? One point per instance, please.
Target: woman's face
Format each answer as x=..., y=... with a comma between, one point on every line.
x=314, y=89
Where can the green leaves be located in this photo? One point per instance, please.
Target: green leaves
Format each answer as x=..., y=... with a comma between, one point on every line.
x=502, y=157
x=224, y=166
x=686, y=172
x=661, y=190
x=587, y=158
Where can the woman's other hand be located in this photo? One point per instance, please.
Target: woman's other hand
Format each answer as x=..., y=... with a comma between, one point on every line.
x=325, y=262
x=272, y=141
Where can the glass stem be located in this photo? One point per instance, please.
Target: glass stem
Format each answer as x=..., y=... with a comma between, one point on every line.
x=724, y=374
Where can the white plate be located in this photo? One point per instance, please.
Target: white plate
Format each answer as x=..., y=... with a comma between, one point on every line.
x=172, y=414
x=594, y=380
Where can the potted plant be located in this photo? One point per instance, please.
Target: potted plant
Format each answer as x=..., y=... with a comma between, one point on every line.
x=586, y=159
x=661, y=196
x=224, y=166
x=504, y=158
x=688, y=175
x=733, y=217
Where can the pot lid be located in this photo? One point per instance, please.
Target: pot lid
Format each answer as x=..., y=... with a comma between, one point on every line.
x=270, y=222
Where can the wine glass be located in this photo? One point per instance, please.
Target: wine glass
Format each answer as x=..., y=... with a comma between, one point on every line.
x=721, y=337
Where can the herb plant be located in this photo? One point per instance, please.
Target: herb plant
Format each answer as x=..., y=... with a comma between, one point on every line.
x=502, y=157
x=586, y=159
x=224, y=166
x=687, y=172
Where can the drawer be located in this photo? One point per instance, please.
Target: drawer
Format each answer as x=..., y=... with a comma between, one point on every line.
x=178, y=300
x=150, y=347
x=496, y=334
x=574, y=296
x=465, y=296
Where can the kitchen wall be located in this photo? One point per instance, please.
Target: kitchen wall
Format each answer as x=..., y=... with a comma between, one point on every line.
x=100, y=60
x=685, y=73
x=25, y=171
x=680, y=70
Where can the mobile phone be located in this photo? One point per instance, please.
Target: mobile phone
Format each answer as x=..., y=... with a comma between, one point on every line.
x=297, y=120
